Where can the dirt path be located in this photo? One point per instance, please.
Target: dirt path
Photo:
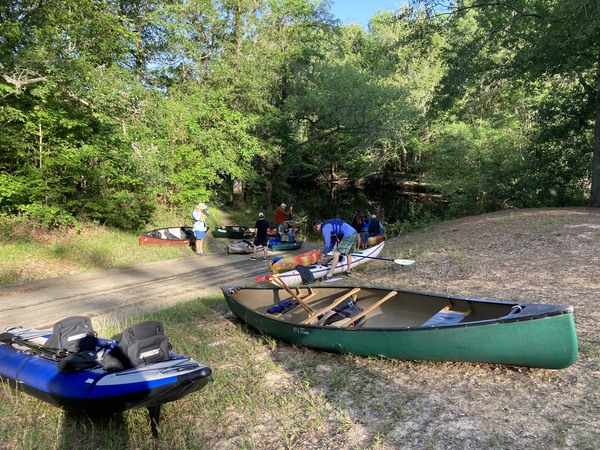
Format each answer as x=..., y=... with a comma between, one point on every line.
x=124, y=291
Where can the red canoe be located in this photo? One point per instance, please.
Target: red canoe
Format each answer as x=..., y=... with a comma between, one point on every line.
x=168, y=236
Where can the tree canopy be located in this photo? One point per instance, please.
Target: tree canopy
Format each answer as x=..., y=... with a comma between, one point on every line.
x=110, y=111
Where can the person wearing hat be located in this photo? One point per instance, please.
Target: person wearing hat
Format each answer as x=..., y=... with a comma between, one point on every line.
x=281, y=215
x=262, y=226
x=200, y=214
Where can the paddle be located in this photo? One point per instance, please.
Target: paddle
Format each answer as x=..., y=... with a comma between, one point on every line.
x=282, y=284
x=346, y=322
x=67, y=362
x=402, y=262
x=10, y=338
x=330, y=307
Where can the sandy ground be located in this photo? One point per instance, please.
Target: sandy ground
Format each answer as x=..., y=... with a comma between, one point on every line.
x=541, y=255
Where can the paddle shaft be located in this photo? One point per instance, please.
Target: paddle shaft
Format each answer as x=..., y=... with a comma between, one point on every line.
x=397, y=261
x=346, y=322
x=10, y=338
x=282, y=284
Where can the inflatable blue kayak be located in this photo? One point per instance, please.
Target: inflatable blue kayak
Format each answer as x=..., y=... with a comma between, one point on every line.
x=94, y=381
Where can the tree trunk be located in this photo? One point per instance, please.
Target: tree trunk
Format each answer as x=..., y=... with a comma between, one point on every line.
x=238, y=195
x=595, y=188
x=268, y=195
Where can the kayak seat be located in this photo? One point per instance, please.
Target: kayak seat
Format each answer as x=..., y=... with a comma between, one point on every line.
x=141, y=344
x=447, y=316
x=73, y=334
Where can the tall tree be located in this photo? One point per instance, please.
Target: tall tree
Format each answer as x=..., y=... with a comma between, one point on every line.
x=66, y=97
x=543, y=43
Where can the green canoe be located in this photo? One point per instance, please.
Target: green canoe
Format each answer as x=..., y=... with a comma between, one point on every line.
x=278, y=246
x=411, y=325
x=233, y=232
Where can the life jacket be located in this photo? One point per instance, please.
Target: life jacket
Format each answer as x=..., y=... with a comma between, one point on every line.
x=337, y=228
x=201, y=223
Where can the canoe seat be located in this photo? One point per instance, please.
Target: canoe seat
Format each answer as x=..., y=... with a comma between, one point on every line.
x=447, y=316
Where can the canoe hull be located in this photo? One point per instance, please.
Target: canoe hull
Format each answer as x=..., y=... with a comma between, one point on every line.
x=545, y=338
x=374, y=240
x=243, y=248
x=287, y=264
x=233, y=232
x=176, y=236
x=285, y=246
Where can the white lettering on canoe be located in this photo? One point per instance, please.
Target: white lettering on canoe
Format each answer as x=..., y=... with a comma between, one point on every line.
x=300, y=330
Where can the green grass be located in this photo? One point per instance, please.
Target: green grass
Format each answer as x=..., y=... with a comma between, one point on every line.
x=30, y=254
x=252, y=399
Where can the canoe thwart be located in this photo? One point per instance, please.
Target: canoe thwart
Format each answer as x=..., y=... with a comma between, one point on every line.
x=349, y=321
x=330, y=307
x=447, y=316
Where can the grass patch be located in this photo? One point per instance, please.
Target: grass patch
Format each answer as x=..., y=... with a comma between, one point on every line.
x=32, y=254
x=247, y=402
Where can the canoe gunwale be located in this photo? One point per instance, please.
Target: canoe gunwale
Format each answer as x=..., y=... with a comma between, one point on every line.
x=549, y=311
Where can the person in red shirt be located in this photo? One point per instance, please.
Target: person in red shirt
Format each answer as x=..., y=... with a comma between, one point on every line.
x=281, y=215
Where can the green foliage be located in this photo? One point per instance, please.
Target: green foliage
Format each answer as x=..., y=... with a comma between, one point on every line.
x=110, y=111
x=417, y=217
x=47, y=215
x=474, y=166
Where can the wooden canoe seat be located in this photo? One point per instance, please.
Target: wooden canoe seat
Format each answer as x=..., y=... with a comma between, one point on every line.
x=447, y=316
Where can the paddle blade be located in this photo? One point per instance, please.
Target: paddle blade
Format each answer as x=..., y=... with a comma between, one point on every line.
x=306, y=274
x=404, y=262
x=261, y=278
x=6, y=337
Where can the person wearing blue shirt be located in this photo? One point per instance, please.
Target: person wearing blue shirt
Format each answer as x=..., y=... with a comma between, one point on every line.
x=336, y=231
x=199, y=215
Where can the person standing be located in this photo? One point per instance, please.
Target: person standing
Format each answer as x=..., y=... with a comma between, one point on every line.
x=359, y=226
x=281, y=215
x=200, y=214
x=375, y=227
x=261, y=238
x=364, y=235
x=336, y=231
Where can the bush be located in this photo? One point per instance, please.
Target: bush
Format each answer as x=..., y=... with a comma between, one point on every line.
x=47, y=216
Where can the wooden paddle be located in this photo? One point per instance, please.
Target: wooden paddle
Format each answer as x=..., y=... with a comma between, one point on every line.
x=275, y=278
x=347, y=322
x=329, y=307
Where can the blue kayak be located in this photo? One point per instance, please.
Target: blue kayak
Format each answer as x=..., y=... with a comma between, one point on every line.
x=24, y=361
